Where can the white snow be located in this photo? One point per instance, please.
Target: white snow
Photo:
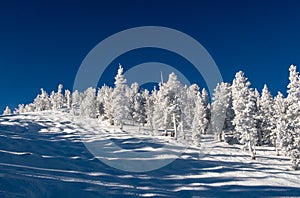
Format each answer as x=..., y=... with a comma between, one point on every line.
x=43, y=155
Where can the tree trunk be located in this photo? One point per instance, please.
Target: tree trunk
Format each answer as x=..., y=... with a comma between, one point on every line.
x=259, y=135
x=181, y=130
x=251, y=150
x=175, y=128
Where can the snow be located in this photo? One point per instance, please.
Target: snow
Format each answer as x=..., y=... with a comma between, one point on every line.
x=48, y=154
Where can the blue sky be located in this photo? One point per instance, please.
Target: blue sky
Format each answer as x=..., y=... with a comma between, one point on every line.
x=42, y=43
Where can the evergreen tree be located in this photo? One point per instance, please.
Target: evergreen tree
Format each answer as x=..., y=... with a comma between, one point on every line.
x=190, y=95
x=240, y=95
x=42, y=101
x=220, y=108
x=139, y=114
x=171, y=91
x=20, y=109
x=108, y=108
x=52, y=101
x=68, y=99
x=266, y=109
x=57, y=99
x=258, y=118
x=199, y=122
x=245, y=109
x=131, y=94
x=119, y=100
x=7, y=111
x=76, y=100
x=158, y=109
x=279, y=134
x=100, y=102
x=293, y=114
x=206, y=105
x=149, y=109
x=30, y=107
x=88, y=104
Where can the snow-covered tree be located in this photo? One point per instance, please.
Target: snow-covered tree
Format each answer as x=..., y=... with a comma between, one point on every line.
x=107, y=99
x=88, y=104
x=240, y=95
x=206, y=104
x=57, y=99
x=258, y=117
x=20, y=109
x=190, y=96
x=100, y=102
x=139, y=114
x=220, y=108
x=171, y=103
x=245, y=109
x=42, y=101
x=149, y=109
x=199, y=122
x=60, y=97
x=30, y=107
x=52, y=100
x=68, y=99
x=293, y=114
x=6, y=111
x=280, y=121
x=119, y=100
x=158, y=109
x=131, y=94
x=266, y=110
x=76, y=100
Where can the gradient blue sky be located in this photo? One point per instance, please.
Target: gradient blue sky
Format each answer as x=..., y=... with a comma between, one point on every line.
x=42, y=43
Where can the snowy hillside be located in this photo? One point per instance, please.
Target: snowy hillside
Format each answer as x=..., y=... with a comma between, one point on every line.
x=43, y=155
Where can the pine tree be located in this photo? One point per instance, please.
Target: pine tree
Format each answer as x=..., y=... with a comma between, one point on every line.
x=280, y=121
x=139, y=114
x=293, y=114
x=52, y=101
x=88, y=104
x=76, y=100
x=131, y=94
x=266, y=109
x=68, y=99
x=190, y=95
x=20, y=109
x=171, y=91
x=119, y=100
x=199, y=122
x=30, y=107
x=57, y=99
x=158, y=110
x=7, y=111
x=100, y=102
x=108, y=108
x=258, y=118
x=240, y=95
x=245, y=109
x=149, y=109
x=206, y=105
x=220, y=108
x=42, y=101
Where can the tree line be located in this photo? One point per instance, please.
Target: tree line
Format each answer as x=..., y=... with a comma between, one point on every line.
x=237, y=113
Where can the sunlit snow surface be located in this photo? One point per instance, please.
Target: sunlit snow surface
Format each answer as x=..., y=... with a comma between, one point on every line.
x=42, y=155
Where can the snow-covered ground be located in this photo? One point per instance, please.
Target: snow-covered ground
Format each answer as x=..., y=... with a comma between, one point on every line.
x=43, y=155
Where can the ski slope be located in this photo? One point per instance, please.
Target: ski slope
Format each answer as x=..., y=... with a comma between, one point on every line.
x=49, y=154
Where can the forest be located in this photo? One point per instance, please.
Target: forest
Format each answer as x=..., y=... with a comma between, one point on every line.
x=236, y=112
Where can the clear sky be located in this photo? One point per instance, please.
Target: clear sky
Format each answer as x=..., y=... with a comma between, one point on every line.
x=42, y=43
